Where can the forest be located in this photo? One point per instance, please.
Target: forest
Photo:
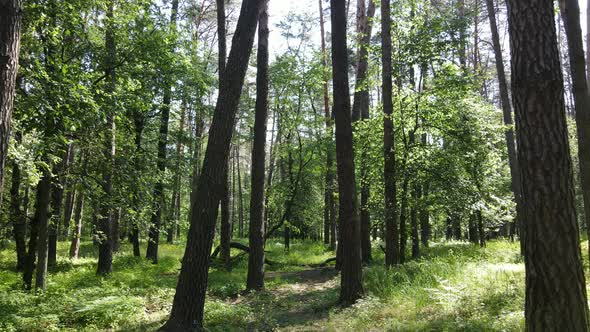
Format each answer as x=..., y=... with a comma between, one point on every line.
x=312, y=165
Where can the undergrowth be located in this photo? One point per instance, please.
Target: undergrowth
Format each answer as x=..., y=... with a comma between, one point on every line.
x=452, y=287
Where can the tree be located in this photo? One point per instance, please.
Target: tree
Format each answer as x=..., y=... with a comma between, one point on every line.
x=189, y=300
x=555, y=284
x=570, y=11
x=351, y=287
x=10, y=26
x=255, y=279
x=105, y=247
x=360, y=109
x=154, y=232
x=391, y=231
x=507, y=116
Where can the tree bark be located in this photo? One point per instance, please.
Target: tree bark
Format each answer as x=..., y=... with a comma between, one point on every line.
x=416, y=194
x=555, y=285
x=189, y=300
x=105, y=246
x=391, y=230
x=360, y=109
x=507, y=115
x=570, y=12
x=10, y=32
x=255, y=278
x=176, y=199
x=351, y=288
x=158, y=205
x=42, y=221
x=77, y=234
x=240, y=194
x=329, y=199
x=18, y=219
x=70, y=195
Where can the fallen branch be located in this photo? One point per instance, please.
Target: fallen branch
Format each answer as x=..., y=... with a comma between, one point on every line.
x=237, y=245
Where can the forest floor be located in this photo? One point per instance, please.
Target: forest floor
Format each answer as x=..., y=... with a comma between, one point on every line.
x=453, y=286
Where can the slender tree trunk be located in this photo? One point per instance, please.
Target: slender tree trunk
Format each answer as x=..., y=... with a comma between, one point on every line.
x=70, y=195
x=570, y=11
x=507, y=115
x=240, y=194
x=403, y=216
x=255, y=279
x=360, y=109
x=105, y=247
x=226, y=227
x=391, y=230
x=18, y=219
x=175, y=208
x=189, y=300
x=139, y=122
x=416, y=194
x=57, y=191
x=77, y=234
x=329, y=199
x=115, y=231
x=558, y=302
x=156, y=220
x=351, y=287
x=10, y=32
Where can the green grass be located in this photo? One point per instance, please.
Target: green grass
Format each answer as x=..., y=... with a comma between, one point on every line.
x=452, y=287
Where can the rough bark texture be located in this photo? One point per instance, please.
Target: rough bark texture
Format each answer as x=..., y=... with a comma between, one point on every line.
x=42, y=221
x=105, y=249
x=255, y=279
x=555, y=285
x=329, y=199
x=189, y=300
x=570, y=11
x=10, y=32
x=351, y=287
x=507, y=116
x=391, y=231
x=360, y=109
x=158, y=204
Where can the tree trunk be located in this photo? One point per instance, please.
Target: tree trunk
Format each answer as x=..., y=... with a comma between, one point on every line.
x=507, y=115
x=10, y=32
x=570, y=12
x=329, y=199
x=42, y=221
x=360, y=109
x=139, y=122
x=77, y=234
x=414, y=221
x=391, y=230
x=70, y=195
x=105, y=248
x=175, y=201
x=189, y=300
x=351, y=287
x=555, y=285
x=57, y=193
x=255, y=279
x=403, y=216
x=240, y=194
x=18, y=219
x=115, y=231
x=156, y=220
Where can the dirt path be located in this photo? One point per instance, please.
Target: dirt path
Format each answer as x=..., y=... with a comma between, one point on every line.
x=303, y=303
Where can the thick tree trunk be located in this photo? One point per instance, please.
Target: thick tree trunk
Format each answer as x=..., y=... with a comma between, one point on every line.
x=158, y=205
x=329, y=199
x=255, y=279
x=10, y=32
x=77, y=234
x=507, y=115
x=391, y=230
x=555, y=284
x=105, y=248
x=570, y=12
x=351, y=287
x=189, y=300
x=42, y=221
